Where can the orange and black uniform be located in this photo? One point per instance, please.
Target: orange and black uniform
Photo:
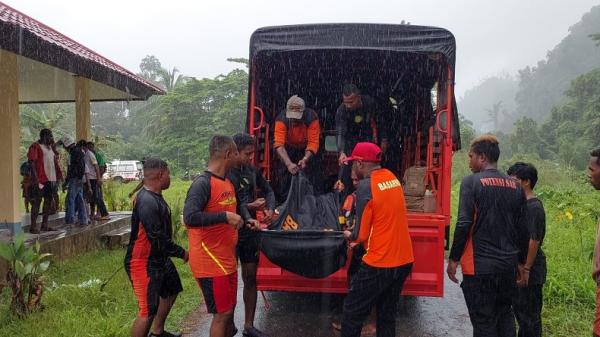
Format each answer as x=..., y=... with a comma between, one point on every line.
x=382, y=227
x=247, y=180
x=297, y=136
x=300, y=135
x=150, y=270
x=489, y=241
x=212, y=240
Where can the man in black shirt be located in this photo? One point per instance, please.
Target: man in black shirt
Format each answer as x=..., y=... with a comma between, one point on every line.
x=153, y=276
x=528, y=300
x=247, y=180
x=356, y=120
x=489, y=241
x=74, y=201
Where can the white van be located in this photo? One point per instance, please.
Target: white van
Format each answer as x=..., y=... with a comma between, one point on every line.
x=123, y=170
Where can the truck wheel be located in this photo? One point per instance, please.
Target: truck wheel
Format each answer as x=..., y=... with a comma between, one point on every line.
x=118, y=179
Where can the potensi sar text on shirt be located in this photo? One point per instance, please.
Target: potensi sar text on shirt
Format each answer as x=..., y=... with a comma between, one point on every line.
x=386, y=185
x=498, y=182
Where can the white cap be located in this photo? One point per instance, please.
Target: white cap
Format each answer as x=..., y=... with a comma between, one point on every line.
x=66, y=141
x=295, y=113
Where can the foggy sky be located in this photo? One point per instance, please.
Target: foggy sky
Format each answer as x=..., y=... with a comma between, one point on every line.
x=493, y=37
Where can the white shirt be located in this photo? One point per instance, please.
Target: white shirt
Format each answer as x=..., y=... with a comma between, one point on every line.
x=48, y=159
x=90, y=161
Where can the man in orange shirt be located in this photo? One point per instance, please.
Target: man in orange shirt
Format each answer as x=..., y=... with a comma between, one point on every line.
x=296, y=140
x=382, y=227
x=211, y=214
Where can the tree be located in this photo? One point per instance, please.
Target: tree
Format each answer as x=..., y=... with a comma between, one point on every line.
x=178, y=126
x=169, y=79
x=543, y=86
x=467, y=132
x=475, y=101
x=58, y=117
x=574, y=126
x=495, y=113
x=525, y=138
x=150, y=68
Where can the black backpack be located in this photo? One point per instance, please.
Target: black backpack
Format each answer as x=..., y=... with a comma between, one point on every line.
x=76, y=163
x=25, y=169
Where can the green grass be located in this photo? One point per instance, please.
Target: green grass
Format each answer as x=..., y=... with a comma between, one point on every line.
x=75, y=310
x=569, y=293
x=116, y=194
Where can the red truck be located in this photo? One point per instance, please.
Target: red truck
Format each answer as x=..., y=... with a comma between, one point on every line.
x=410, y=71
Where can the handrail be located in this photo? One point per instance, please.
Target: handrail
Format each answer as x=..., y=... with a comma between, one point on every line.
x=437, y=121
x=262, y=119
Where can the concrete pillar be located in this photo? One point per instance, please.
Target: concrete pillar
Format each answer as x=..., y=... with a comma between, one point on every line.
x=10, y=136
x=83, y=119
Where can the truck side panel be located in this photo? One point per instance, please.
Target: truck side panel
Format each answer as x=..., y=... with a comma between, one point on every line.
x=426, y=279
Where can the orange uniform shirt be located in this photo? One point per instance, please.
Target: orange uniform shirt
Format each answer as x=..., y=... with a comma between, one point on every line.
x=382, y=225
x=305, y=134
x=212, y=241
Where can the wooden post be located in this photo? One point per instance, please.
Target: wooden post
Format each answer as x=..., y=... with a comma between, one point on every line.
x=83, y=120
x=10, y=136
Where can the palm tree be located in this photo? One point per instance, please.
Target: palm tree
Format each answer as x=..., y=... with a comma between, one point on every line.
x=37, y=117
x=170, y=80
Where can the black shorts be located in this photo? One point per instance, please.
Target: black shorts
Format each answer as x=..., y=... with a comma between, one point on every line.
x=151, y=284
x=247, y=248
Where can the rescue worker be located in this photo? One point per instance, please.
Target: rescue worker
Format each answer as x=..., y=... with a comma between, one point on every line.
x=489, y=241
x=212, y=216
x=247, y=181
x=358, y=251
x=356, y=120
x=382, y=227
x=153, y=276
x=296, y=141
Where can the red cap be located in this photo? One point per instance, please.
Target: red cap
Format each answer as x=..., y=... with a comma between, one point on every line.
x=366, y=151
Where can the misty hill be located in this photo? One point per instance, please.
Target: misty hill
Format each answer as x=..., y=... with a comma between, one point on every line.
x=539, y=88
x=494, y=94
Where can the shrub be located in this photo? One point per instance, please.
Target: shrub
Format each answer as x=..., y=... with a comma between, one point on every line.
x=25, y=276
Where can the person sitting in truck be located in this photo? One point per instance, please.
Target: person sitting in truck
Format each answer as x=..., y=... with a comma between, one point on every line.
x=296, y=140
x=355, y=122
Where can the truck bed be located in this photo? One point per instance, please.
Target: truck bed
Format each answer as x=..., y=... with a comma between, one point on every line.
x=427, y=278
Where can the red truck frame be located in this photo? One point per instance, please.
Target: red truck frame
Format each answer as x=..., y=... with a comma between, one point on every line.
x=380, y=59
